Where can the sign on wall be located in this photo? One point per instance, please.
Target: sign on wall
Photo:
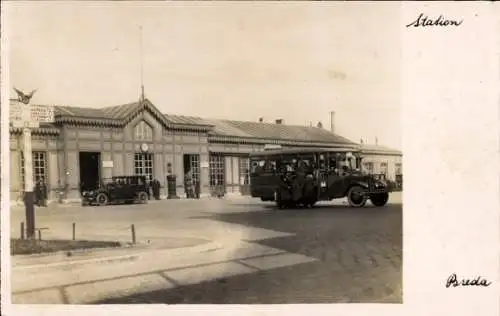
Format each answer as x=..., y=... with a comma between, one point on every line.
x=107, y=164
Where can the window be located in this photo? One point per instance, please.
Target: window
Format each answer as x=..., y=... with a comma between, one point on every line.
x=244, y=170
x=194, y=164
x=368, y=166
x=256, y=165
x=383, y=168
x=217, y=170
x=143, y=163
x=269, y=165
x=143, y=131
x=398, y=168
x=39, y=159
x=262, y=165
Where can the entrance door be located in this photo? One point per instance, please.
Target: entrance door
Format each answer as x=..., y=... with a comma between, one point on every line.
x=217, y=174
x=143, y=165
x=90, y=171
x=244, y=173
x=192, y=164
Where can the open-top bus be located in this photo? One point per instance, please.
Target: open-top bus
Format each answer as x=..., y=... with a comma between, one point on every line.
x=302, y=176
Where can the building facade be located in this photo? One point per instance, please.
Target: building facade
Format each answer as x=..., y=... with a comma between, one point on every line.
x=85, y=145
x=383, y=160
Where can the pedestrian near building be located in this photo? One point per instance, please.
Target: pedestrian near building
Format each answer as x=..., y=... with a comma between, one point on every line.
x=41, y=193
x=156, y=189
x=197, y=189
x=188, y=184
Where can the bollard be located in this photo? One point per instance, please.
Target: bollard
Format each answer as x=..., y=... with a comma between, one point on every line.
x=39, y=234
x=22, y=230
x=74, y=231
x=132, y=227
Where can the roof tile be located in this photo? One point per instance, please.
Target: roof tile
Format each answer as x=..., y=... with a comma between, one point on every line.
x=221, y=127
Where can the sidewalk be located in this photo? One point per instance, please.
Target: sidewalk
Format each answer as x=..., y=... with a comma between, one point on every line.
x=144, y=272
x=107, y=254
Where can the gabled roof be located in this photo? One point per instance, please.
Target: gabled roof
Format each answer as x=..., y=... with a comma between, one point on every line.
x=218, y=130
x=118, y=115
x=379, y=149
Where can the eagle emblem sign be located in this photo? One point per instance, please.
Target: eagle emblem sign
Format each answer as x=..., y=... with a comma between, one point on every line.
x=22, y=97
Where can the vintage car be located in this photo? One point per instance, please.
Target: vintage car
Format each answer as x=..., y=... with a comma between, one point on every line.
x=303, y=176
x=121, y=189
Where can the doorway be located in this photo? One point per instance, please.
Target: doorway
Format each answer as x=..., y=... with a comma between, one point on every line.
x=192, y=164
x=90, y=171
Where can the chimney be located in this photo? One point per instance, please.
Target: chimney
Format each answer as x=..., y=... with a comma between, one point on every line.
x=332, y=121
x=376, y=140
x=319, y=125
x=279, y=121
x=361, y=140
x=261, y=119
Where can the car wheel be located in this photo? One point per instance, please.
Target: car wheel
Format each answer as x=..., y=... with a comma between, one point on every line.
x=142, y=197
x=379, y=199
x=356, y=196
x=102, y=199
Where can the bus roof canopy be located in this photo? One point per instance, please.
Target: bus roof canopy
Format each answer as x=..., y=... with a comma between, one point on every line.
x=291, y=151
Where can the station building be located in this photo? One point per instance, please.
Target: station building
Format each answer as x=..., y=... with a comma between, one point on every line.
x=84, y=145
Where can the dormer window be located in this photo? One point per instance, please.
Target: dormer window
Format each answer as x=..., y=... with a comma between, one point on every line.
x=143, y=131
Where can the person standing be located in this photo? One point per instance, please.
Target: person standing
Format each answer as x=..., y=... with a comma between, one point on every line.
x=43, y=191
x=157, y=189
x=38, y=193
x=188, y=184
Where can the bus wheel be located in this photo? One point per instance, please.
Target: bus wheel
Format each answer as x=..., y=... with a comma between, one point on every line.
x=356, y=196
x=379, y=199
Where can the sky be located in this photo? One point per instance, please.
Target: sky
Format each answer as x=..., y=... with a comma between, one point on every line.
x=295, y=61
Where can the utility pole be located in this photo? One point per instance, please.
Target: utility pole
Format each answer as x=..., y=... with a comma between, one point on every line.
x=29, y=196
x=27, y=117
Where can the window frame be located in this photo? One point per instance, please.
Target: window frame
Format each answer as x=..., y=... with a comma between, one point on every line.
x=144, y=165
x=217, y=170
x=37, y=157
x=143, y=131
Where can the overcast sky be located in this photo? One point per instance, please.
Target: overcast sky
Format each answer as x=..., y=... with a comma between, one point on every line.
x=229, y=60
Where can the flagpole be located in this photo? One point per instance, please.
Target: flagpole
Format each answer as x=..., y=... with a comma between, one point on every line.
x=142, y=63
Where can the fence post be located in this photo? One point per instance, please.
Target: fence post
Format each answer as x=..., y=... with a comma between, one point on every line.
x=39, y=234
x=132, y=227
x=22, y=230
x=74, y=231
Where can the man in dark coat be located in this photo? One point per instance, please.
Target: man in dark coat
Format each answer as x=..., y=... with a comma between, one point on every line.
x=188, y=184
x=38, y=193
x=298, y=183
x=156, y=189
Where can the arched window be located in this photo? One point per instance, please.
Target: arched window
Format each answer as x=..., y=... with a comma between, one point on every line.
x=143, y=131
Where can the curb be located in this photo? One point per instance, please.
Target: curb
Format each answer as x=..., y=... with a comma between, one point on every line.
x=113, y=259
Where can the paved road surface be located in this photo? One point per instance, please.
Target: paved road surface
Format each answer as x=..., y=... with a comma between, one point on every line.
x=359, y=260
x=328, y=254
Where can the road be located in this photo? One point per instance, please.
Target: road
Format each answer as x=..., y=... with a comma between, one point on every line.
x=331, y=253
